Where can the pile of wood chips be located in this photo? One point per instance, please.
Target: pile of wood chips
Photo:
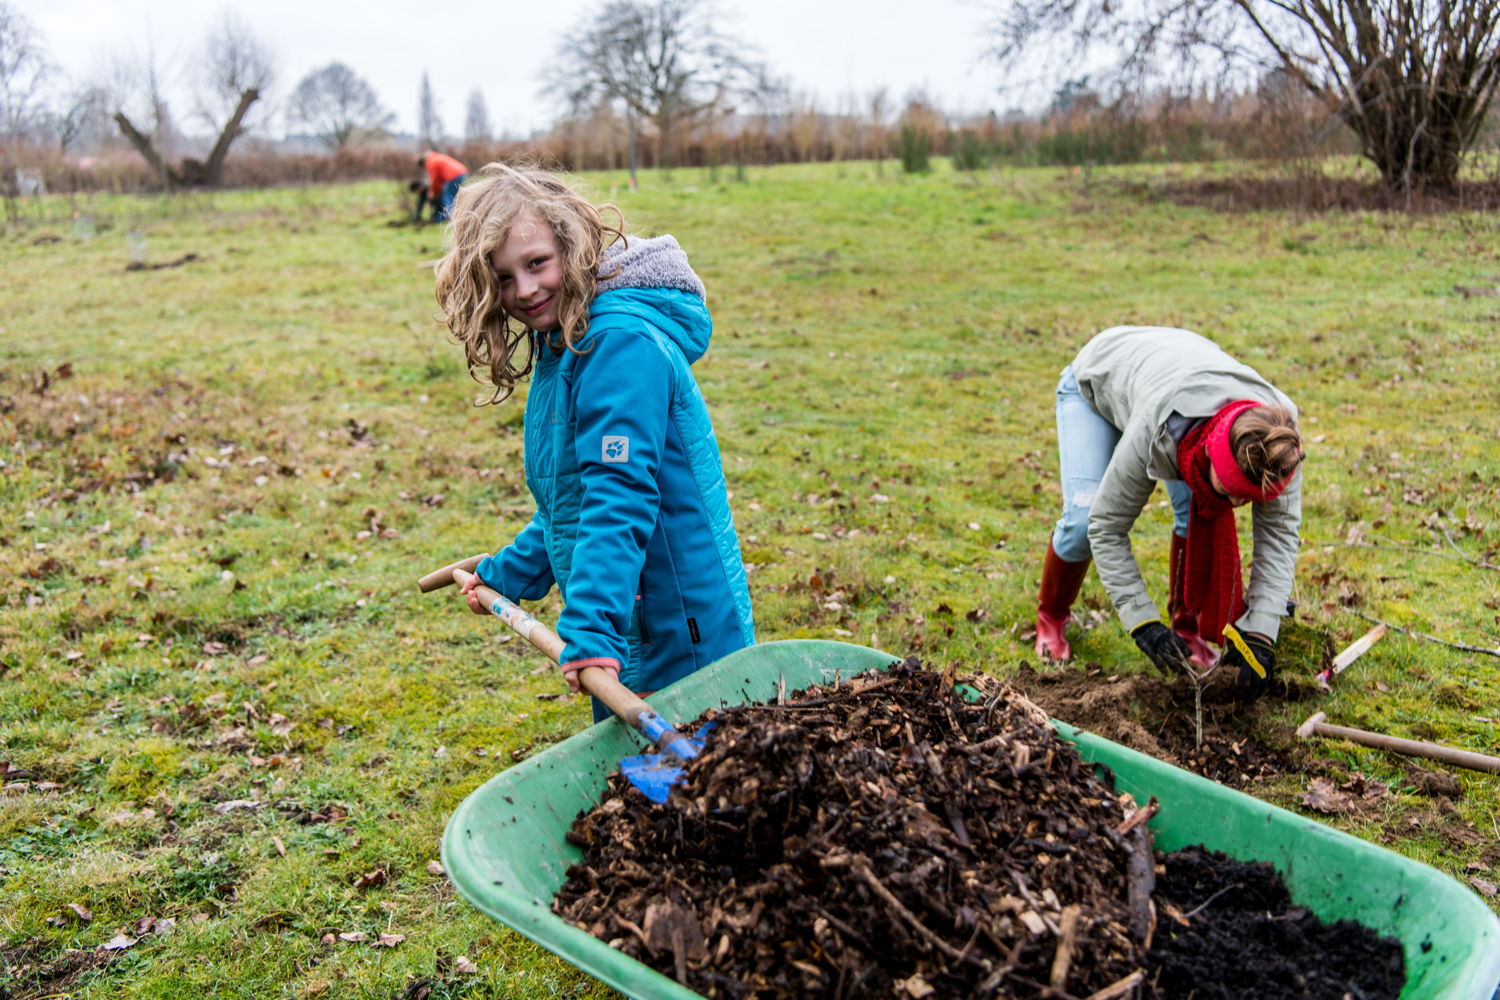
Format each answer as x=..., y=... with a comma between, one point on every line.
x=884, y=837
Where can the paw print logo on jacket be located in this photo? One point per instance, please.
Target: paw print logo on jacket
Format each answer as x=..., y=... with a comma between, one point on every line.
x=615, y=449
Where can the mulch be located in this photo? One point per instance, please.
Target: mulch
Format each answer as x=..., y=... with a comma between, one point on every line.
x=889, y=837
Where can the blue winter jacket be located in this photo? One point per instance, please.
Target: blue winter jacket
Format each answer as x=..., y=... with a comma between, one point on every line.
x=632, y=520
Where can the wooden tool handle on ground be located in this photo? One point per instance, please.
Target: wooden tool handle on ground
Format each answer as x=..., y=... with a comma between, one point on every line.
x=595, y=680
x=1412, y=748
x=440, y=578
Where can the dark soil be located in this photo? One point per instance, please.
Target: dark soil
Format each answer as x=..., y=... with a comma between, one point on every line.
x=1155, y=715
x=888, y=838
x=1317, y=192
x=34, y=969
x=140, y=265
x=1243, y=938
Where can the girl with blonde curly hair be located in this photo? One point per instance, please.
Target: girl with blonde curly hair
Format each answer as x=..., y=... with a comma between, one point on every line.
x=632, y=519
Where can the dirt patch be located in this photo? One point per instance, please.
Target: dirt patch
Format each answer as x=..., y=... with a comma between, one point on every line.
x=1448, y=825
x=1155, y=715
x=140, y=265
x=1434, y=783
x=29, y=972
x=97, y=435
x=1317, y=193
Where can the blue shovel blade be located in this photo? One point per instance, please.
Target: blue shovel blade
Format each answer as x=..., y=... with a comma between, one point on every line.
x=654, y=774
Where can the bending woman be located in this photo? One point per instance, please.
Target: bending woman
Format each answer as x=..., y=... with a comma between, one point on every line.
x=1142, y=404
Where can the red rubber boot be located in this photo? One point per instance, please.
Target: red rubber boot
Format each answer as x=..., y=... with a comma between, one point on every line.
x=1185, y=622
x=1061, y=581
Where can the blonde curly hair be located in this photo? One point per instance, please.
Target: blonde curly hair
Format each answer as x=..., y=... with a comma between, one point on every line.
x=487, y=208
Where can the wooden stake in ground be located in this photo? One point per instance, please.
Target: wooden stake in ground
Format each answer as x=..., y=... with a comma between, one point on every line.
x=1354, y=651
x=1315, y=726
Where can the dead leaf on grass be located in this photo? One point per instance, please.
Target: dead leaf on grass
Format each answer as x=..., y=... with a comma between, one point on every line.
x=354, y=937
x=82, y=912
x=370, y=879
x=1486, y=889
x=389, y=940
x=464, y=967
x=435, y=868
x=224, y=808
x=1357, y=795
x=119, y=942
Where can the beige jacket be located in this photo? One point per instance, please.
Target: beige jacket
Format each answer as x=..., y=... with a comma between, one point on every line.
x=1136, y=377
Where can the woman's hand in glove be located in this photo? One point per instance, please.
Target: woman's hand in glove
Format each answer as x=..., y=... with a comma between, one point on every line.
x=1165, y=648
x=1255, y=657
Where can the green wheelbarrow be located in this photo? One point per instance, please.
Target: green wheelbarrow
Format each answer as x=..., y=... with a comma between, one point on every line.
x=505, y=851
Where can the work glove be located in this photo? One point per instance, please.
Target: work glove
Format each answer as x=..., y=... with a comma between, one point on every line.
x=1255, y=656
x=1166, y=649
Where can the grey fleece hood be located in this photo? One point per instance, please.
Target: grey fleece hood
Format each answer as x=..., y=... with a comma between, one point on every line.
x=657, y=262
x=652, y=281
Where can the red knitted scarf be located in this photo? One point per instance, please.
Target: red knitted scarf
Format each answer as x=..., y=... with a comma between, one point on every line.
x=1212, y=586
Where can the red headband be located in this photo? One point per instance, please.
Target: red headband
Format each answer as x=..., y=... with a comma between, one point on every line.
x=1221, y=456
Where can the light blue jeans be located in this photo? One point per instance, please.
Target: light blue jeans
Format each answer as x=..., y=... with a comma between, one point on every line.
x=1085, y=443
x=443, y=204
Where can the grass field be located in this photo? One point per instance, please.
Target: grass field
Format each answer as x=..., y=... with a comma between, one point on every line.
x=225, y=708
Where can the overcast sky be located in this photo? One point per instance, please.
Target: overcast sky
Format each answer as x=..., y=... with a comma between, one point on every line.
x=827, y=48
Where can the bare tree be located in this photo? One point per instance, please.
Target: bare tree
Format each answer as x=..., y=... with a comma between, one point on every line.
x=233, y=61
x=138, y=106
x=23, y=74
x=229, y=74
x=84, y=116
x=234, y=71
x=665, y=60
x=337, y=105
x=1413, y=79
x=805, y=127
x=477, y=127
x=429, y=125
x=878, y=105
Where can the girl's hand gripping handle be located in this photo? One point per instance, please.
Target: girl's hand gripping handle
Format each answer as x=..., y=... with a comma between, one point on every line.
x=597, y=681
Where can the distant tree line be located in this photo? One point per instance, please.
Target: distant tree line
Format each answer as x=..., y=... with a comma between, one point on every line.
x=663, y=83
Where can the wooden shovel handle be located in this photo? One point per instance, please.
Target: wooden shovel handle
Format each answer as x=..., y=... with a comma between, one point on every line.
x=1413, y=748
x=1315, y=726
x=440, y=578
x=595, y=680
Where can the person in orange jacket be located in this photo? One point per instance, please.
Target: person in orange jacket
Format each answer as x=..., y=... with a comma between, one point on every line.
x=444, y=175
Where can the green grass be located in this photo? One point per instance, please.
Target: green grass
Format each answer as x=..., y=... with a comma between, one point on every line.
x=210, y=530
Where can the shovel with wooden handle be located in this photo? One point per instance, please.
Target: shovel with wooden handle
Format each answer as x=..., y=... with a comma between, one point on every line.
x=653, y=774
x=1315, y=726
